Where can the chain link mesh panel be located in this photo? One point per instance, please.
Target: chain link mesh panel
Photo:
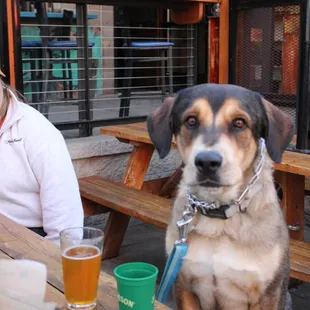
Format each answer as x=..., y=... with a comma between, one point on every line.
x=267, y=53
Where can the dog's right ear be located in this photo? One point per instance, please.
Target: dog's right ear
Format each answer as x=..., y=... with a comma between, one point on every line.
x=280, y=131
x=160, y=127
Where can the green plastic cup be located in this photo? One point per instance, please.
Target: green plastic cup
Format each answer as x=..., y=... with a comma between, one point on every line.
x=136, y=286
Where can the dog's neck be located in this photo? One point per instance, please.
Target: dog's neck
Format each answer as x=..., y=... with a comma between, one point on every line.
x=225, y=198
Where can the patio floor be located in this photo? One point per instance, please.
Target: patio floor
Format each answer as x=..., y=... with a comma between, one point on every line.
x=144, y=242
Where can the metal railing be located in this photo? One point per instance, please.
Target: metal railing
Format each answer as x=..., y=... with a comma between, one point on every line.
x=87, y=65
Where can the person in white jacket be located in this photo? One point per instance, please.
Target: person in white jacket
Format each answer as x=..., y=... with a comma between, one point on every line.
x=38, y=185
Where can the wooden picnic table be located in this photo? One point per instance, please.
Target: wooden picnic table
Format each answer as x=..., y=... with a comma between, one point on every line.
x=134, y=134
x=137, y=133
x=290, y=174
x=18, y=242
x=133, y=177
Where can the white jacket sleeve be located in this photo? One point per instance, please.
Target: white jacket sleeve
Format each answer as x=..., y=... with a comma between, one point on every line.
x=59, y=192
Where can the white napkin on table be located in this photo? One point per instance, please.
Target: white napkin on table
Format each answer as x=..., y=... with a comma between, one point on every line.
x=23, y=285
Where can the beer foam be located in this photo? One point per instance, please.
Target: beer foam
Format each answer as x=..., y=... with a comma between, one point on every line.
x=81, y=257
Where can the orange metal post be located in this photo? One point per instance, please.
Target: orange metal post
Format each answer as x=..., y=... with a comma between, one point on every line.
x=224, y=42
x=213, y=50
x=290, y=53
x=10, y=19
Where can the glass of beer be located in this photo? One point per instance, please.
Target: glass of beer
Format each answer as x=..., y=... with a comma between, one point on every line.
x=81, y=250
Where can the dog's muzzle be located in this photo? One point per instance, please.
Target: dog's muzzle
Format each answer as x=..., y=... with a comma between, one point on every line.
x=214, y=209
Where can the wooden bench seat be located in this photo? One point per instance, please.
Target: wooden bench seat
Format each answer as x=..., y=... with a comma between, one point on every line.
x=300, y=260
x=156, y=211
x=144, y=206
x=295, y=163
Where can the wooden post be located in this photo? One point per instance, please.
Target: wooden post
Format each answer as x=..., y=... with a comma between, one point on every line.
x=224, y=42
x=133, y=177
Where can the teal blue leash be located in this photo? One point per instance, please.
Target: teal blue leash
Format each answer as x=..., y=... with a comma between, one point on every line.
x=172, y=270
x=174, y=262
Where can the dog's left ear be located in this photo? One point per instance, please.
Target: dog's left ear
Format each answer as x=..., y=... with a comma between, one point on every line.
x=280, y=131
x=160, y=128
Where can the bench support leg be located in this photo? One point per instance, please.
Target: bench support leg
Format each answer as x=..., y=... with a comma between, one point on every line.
x=114, y=234
x=293, y=186
x=133, y=177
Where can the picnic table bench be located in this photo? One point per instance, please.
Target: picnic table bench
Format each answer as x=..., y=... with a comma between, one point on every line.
x=156, y=210
x=127, y=200
x=18, y=242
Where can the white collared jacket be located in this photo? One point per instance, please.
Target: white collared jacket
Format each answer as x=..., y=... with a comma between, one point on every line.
x=38, y=185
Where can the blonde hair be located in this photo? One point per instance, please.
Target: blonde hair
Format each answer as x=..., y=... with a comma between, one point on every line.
x=4, y=99
x=6, y=94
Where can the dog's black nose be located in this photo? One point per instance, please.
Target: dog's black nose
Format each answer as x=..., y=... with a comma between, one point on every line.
x=208, y=162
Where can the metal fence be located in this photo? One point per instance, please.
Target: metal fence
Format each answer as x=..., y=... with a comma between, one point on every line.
x=86, y=66
x=267, y=55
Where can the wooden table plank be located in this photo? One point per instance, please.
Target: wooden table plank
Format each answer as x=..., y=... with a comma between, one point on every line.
x=300, y=260
x=18, y=242
x=131, y=132
x=296, y=163
x=52, y=294
x=293, y=162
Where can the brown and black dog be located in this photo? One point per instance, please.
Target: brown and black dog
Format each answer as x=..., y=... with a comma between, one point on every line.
x=242, y=262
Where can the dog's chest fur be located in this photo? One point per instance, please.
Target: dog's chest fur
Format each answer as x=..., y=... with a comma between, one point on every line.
x=222, y=267
x=234, y=260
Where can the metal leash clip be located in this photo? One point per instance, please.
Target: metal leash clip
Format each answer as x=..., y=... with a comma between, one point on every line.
x=184, y=222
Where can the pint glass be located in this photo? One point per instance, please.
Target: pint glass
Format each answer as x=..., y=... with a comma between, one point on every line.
x=81, y=250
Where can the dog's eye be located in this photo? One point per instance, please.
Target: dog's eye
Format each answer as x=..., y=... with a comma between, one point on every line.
x=239, y=124
x=191, y=122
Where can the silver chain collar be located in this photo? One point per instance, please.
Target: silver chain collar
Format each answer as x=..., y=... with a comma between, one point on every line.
x=195, y=204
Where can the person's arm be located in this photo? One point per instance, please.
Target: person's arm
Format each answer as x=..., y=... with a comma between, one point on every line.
x=59, y=191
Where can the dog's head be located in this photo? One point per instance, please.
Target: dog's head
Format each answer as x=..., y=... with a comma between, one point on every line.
x=217, y=128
